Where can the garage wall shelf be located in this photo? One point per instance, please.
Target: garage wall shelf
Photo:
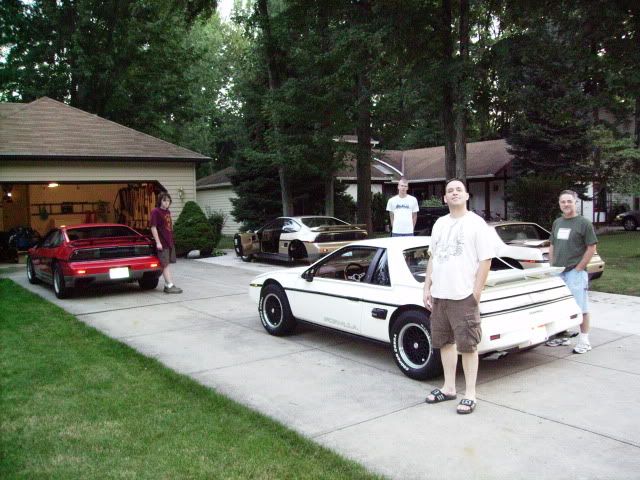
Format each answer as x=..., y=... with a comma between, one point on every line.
x=69, y=208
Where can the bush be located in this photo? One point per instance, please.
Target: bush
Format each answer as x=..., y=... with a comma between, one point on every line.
x=192, y=231
x=217, y=220
x=432, y=201
x=344, y=207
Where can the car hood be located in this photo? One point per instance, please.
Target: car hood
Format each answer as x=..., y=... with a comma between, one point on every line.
x=280, y=275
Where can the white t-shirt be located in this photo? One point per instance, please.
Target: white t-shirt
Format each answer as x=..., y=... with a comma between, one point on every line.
x=403, y=210
x=457, y=247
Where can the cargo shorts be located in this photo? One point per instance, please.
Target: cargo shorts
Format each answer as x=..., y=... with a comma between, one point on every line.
x=456, y=321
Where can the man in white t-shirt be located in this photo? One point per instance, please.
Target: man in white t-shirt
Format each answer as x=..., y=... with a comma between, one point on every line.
x=460, y=257
x=403, y=211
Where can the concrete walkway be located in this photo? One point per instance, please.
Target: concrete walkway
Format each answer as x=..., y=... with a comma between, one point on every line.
x=543, y=414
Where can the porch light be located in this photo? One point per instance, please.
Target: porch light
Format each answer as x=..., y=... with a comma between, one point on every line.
x=53, y=185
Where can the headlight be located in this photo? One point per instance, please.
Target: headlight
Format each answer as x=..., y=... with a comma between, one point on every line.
x=619, y=217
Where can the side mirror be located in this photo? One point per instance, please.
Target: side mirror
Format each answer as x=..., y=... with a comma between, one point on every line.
x=308, y=275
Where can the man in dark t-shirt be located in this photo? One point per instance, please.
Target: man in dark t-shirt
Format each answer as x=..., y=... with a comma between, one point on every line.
x=573, y=243
x=162, y=231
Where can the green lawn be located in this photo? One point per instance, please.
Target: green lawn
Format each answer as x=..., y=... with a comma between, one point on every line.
x=621, y=252
x=75, y=404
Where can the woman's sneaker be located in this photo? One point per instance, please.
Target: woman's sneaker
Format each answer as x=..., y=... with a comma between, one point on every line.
x=172, y=289
x=582, y=348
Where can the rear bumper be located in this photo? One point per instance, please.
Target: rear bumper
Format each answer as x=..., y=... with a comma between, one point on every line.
x=317, y=250
x=85, y=273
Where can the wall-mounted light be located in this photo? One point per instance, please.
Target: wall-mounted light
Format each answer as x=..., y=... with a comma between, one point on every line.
x=181, y=193
x=7, y=195
x=53, y=185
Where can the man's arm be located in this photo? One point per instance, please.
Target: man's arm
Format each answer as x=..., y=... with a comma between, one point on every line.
x=391, y=219
x=415, y=218
x=551, y=254
x=586, y=258
x=481, y=278
x=154, y=232
x=427, y=300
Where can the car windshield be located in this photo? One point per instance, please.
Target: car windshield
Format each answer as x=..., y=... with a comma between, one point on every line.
x=417, y=259
x=321, y=221
x=521, y=232
x=100, y=232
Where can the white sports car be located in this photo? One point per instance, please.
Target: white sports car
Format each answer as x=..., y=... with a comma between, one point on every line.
x=373, y=288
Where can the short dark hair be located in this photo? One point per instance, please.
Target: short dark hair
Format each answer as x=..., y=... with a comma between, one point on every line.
x=161, y=197
x=455, y=179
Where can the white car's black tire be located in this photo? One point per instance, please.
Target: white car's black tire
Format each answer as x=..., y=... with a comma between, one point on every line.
x=275, y=312
x=31, y=272
x=297, y=251
x=412, y=348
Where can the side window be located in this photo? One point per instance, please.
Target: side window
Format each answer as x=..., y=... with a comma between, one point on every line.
x=290, y=226
x=417, y=260
x=381, y=273
x=51, y=238
x=350, y=265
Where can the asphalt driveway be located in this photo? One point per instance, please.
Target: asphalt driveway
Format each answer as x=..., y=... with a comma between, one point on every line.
x=544, y=414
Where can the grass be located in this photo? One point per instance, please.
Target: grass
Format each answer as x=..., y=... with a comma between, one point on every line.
x=621, y=252
x=76, y=404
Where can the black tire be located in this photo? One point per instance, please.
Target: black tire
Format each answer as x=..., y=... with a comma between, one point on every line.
x=594, y=276
x=59, y=286
x=31, y=272
x=412, y=348
x=297, y=251
x=275, y=312
x=148, y=282
x=629, y=224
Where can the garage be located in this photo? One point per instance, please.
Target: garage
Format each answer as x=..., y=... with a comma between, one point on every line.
x=63, y=166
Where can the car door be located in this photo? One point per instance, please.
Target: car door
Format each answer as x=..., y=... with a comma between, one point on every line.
x=45, y=254
x=333, y=296
x=270, y=237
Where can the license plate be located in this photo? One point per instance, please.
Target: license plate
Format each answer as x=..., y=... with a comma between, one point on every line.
x=120, y=272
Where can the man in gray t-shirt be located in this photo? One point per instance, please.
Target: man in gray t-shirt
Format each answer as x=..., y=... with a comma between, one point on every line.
x=573, y=243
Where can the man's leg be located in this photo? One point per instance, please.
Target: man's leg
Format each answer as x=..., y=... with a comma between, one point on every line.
x=470, y=366
x=449, y=357
x=585, y=326
x=166, y=274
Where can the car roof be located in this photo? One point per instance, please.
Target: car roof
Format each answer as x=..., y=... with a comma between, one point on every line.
x=510, y=222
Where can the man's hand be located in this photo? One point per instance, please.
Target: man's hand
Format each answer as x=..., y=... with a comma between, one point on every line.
x=427, y=299
x=159, y=246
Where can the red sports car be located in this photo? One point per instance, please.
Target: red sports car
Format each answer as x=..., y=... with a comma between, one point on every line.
x=80, y=255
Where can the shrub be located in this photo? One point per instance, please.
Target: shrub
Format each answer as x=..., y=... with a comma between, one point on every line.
x=217, y=220
x=535, y=198
x=344, y=207
x=432, y=201
x=192, y=231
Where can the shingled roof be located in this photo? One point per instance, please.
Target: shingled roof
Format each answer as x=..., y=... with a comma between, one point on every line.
x=216, y=180
x=49, y=130
x=484, y=160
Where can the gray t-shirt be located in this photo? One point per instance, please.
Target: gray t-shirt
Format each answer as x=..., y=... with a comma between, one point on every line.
x=570, y=238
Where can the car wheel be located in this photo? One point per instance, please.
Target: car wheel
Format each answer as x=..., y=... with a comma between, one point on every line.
x=629, y=224
x=59, y=286
x=412, y=347
x=297, y=251
x=593, y=276
x=31, y=272
x=275, y=312
x=148, y=282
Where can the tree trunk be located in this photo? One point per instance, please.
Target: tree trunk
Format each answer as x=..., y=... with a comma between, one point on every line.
x=275, y=73
x=636, y=133
x=448, y=126
x=363, y=152
x=329, y=192
x=461, y=111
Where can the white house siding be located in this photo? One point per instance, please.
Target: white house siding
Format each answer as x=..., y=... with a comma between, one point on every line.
x=173, y=176
x=352, y=190
x=219, y=200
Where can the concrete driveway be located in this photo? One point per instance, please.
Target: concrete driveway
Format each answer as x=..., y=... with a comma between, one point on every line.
x=544, y=414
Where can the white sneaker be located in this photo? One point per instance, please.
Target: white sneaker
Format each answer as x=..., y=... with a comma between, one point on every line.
x=582, y=348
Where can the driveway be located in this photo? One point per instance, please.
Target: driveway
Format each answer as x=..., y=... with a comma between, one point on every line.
x=544, y=414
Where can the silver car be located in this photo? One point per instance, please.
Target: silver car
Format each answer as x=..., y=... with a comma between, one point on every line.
x=529, y=234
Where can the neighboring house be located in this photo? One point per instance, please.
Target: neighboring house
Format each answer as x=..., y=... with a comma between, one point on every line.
x=61, y=165
x=214, y=194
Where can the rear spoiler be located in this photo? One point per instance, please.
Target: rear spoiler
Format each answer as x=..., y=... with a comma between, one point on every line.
x=507, y=276
x=339, y=227
x=87, y=242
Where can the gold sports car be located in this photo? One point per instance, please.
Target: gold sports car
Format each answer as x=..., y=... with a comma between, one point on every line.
x=529, y=234
x=297, y=238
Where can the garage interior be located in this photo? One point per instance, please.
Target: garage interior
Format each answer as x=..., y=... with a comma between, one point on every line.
x=43, y=206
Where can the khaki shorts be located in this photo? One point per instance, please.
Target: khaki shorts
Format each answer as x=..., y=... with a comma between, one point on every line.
x=167, y=256
x=456, y=321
